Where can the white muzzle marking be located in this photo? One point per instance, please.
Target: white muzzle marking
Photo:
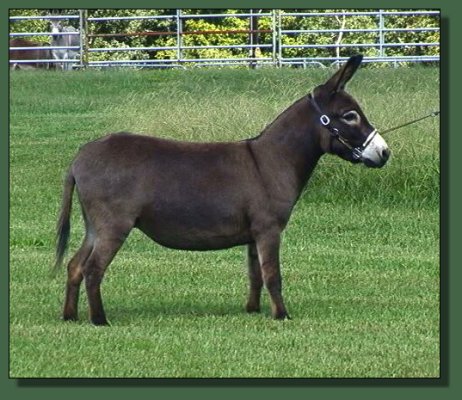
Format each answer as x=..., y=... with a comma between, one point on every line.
x=374, y=147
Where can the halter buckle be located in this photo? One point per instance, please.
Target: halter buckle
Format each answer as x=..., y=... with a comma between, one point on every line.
x=357, y=153
x=325, y=120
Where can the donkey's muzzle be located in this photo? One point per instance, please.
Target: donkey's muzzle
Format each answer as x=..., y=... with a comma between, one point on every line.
x=376, y=153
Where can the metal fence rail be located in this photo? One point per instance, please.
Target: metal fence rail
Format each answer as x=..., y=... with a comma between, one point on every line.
x=275, y=45
x=378, y=41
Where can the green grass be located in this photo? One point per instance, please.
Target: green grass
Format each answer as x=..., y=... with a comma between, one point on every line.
x=360, y=255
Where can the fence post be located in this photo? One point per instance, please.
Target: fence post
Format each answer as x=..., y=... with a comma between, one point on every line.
x=179, y=36
x=83, y=29
x=273, y=36
x=381, y=33
x=253, y=38
x=277, y=37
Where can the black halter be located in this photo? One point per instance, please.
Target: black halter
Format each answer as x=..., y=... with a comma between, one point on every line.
x=357, y=152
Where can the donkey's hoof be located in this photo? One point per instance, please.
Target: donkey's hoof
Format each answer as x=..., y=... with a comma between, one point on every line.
x=252, y=308
x=69, y=318
x=100, y=321
x=282, y=316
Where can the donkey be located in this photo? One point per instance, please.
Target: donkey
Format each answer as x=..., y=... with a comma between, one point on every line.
x=30, y=55
x=204, y=196
x=59, y=39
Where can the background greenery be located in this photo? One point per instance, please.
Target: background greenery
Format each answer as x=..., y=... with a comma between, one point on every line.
x=360, y=255
x=236, y=23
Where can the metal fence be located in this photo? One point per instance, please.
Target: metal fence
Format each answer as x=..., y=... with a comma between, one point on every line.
x=274, y=44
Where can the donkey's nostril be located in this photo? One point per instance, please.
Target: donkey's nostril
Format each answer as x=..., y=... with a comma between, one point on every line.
x=385, y=154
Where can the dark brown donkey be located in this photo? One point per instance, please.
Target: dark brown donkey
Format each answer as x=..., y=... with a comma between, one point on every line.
x=206, y=196
x=30, y=55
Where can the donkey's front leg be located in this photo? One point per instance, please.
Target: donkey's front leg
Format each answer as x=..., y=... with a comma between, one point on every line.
x=268, y=255
x=255, y=278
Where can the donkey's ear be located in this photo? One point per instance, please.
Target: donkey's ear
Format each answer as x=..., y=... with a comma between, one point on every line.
x=338, y=81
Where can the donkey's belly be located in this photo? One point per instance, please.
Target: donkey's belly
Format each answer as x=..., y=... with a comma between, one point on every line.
x=195, y=229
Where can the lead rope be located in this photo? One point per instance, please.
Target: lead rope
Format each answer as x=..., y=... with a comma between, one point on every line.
x=433, y=114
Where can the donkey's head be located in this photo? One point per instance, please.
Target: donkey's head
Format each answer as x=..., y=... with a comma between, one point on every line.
x=56, y=26
x=345, y=130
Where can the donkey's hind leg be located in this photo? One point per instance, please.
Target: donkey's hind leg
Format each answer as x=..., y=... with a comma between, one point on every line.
x=74, y=279
x=106, y=245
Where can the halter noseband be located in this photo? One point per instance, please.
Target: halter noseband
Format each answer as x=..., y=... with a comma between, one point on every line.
x=357, y=152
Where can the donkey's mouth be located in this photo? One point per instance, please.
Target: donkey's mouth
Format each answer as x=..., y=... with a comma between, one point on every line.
x=379, y=162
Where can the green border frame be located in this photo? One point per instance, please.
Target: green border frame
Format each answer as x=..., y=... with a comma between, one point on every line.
x=446, y=387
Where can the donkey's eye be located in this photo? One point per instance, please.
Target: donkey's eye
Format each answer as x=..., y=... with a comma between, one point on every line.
x=351, y=116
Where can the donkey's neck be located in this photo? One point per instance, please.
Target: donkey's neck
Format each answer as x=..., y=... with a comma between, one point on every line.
x=286, y=153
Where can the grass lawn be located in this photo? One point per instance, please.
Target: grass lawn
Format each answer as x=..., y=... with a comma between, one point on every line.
x=360, y=255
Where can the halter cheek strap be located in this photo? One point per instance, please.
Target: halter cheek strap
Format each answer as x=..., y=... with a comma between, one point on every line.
x=357, y=152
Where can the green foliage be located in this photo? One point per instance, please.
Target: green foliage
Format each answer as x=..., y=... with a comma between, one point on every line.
x=129, y=27
x=413, y=37
x=34, y=25
x=165, y=34
x=360, y=22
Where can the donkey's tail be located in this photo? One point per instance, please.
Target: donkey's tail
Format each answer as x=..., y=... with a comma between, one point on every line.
x=63, y=227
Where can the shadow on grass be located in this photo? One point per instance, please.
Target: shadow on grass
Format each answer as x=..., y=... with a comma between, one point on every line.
x=127, y=314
